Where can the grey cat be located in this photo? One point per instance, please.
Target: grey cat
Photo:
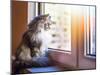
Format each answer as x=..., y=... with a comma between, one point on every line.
x=31, y=45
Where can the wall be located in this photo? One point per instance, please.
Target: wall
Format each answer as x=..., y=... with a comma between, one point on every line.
x=19, y=22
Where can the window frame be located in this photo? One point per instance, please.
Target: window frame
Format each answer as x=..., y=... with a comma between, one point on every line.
x=88, y=38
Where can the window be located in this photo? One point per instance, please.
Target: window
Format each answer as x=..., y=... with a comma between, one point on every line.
x=90, y=31
x=61, y=31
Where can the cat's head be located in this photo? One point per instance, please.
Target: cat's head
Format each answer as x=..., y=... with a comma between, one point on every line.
x=41, y=22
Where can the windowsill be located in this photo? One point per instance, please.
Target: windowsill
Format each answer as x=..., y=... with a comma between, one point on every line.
x=58, y=50
x=90, y=57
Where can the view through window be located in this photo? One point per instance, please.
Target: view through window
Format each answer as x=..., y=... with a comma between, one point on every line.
x=61, y=31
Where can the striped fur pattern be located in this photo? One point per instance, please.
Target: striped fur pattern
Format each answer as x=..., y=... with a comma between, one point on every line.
x=32, y=45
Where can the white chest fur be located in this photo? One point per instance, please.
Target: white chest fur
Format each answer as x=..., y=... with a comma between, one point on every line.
x=45, y=38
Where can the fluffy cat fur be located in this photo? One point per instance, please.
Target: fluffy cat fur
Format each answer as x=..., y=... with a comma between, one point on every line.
x=31, y=45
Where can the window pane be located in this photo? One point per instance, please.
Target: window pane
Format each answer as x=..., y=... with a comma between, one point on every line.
x=93, y=31
x=90, y=31
x=61, y=31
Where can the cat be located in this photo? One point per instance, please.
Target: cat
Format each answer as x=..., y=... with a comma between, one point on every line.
x=32, y=44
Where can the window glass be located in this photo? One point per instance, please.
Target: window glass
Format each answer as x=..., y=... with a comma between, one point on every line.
x=61, y=31
x=90, y=31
